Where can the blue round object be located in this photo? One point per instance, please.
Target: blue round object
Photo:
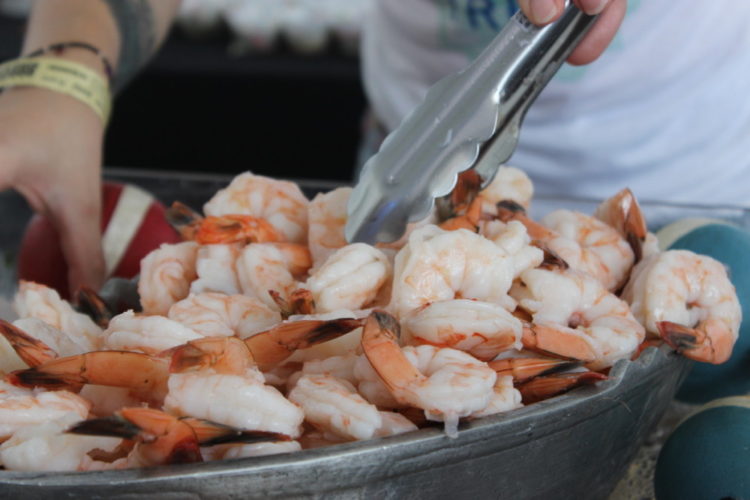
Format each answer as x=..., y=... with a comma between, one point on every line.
x=708, y=455
x=729, y=245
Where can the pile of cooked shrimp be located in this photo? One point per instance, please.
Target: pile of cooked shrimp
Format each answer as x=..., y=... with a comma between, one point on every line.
x=266, y=332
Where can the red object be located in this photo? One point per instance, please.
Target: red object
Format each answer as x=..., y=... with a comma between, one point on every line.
x=139, y=225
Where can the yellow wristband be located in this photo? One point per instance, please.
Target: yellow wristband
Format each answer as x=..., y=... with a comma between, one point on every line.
x=60, y=75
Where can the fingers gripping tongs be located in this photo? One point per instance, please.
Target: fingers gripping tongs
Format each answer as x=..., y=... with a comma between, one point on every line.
x=467, y=120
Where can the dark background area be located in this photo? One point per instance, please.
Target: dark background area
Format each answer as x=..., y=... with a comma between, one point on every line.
x=198, y=108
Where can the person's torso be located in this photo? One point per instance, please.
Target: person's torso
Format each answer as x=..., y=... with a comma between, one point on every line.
x=663, y=110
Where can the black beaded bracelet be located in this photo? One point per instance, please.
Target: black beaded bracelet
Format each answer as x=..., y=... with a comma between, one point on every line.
x=58, y=48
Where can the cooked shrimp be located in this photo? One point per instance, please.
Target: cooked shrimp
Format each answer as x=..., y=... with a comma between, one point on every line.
x=24, y=409
x=145, y=375
x=281, y=203
x=149, y=334
x=585, y=243
x=275, y=345
x=333, y=405
x=161, y=439
x=371, y=386
x=338, y=346
x=447, y=384
x=240, y=401
x=623, y=213
x=505, y=397
x=227, y=228
x=509, y=183
x=326, y=215
x=350, y=279
x=523, y=369
x=340, y=367
x=217, y=314
x=575, y=316
x=272, y=266
x=688, y=300
x=215, y=269
x=166, y=274
x=43, y=339
x=547, y=386
x=441, y=265
x=38, y=301
x=479, y=328
x=47, y=447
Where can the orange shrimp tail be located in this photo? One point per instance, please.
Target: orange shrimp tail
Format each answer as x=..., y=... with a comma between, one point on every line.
x=113, y=368
x=212, y=433
x=708, y=342
x=380, y=345
x=93, y=305
x=184, y=219
x=468, y=185
x=300, y=302
x=524, y=369
x=227, y=355
x=551, y=259
x=560, y=342
x=469, y=220
x=275, y=345
x=542, y=388
x=166, y=439
x=33, y=352
x=509, y=210
x=623, y=213
x=235, y=229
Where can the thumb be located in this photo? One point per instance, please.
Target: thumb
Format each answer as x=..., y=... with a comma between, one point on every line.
x=78, y=222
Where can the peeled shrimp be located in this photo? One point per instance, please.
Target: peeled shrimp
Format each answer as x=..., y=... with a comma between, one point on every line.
x=38, y=301
x=264, y=267
x=509, y=183
x=573, y=315
x=447, y=384
x=689, y=301
x=240, y=401
x=166, y=274
x=217, y=314
x=505, y=397
x=333, y=405
x=350, y=279
x=149, y=334
x=326, y=216
x=24, y=409
x=441, y=265
x=479, y=328
x=215, y=269
x=47, y=447
x=281, y=203
x=591, y=246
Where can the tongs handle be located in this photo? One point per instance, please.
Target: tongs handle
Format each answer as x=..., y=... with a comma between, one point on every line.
x=530, y=56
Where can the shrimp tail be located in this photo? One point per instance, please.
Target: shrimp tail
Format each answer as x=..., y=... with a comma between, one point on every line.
x=212, y=433
x=542, y=388
x=509, y=210
x=114, y=426
x=278, y=343
x=33, y=377
x=93, y=305
x=33, y=352
x=184, y=219
x=561, y=342
x=228, y=355
x=525, y=369
x=468, y=185
x=707, y=342
x=300, y=302
x=551, y=259
x=623, y=213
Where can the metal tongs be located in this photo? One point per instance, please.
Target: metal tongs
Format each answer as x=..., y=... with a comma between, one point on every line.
x=470, y=119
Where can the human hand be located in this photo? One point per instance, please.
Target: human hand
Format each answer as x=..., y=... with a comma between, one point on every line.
x=50, y=152
x=611, y=12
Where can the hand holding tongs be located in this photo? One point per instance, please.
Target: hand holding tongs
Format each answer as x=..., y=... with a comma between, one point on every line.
x=468, y=120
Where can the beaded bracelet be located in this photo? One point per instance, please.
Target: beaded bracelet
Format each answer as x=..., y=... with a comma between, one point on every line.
x=58, y=48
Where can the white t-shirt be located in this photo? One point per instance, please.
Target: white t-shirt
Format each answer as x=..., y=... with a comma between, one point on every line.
x=665, y=110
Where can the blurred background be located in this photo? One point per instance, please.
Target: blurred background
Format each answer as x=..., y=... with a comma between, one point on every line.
x=270, y=86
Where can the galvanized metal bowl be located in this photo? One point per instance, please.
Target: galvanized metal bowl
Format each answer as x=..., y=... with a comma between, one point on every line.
x=576, y=445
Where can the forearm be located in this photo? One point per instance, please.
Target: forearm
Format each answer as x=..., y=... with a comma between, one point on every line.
x=127, y=32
